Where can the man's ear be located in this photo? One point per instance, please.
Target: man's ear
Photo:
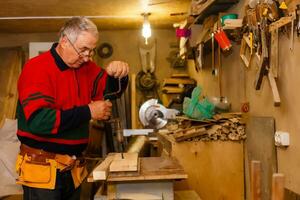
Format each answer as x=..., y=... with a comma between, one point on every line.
x=63, y=41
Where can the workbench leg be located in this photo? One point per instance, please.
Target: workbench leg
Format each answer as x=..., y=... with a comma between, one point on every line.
x=111, y=191
x=141, y=190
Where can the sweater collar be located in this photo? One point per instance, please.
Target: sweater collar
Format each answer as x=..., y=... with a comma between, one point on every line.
x=58, y=60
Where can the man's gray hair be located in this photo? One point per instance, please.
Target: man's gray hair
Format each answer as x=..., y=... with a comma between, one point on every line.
x=74, y=26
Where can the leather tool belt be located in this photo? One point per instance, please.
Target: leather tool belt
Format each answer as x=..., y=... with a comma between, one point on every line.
x=65, y=162
x=38, y=168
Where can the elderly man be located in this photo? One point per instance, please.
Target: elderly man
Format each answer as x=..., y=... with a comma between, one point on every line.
x=59, y=92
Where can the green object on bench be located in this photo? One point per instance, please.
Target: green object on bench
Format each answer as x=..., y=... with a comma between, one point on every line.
x=198, y=109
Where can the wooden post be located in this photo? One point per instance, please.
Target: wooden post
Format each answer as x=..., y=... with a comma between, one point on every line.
x=133, y=102
x=278, y=187
x=276, y=96
x=274, y=53
x=255, y=178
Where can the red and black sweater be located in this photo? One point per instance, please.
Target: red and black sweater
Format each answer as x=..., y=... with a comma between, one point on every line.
x=53, y=112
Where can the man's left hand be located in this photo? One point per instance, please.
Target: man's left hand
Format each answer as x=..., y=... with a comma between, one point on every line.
x=117, y=69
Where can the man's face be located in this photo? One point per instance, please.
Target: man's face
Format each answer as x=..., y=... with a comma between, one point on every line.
x=79, y=52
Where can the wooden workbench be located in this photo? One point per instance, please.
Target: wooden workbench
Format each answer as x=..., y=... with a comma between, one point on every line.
x=153, y=180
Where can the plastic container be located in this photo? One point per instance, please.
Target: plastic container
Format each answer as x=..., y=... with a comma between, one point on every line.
x=228, y=16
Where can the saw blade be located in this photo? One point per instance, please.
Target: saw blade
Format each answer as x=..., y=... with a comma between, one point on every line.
x=152, y=114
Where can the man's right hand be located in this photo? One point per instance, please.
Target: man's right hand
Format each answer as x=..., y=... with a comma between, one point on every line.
x=100, y=110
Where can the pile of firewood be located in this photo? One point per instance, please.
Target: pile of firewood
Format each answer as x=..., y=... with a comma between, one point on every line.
x=222, y=127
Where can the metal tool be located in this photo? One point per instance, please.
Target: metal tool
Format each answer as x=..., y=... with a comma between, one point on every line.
x=154, y=115
x=116, y=122
x=117, y=129
x=114, y=93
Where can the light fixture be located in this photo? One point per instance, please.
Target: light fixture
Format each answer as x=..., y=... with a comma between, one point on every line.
x=146, y=31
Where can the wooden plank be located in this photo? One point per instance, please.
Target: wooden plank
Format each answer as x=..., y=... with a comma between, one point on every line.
x=152, y=168
x=203, y=8
x=246, y=47
x=274, y=88
x=262, y=67
x=278, y=187
x=133, y=103
x=190, y=133
x=255, y=180
x=274, y=57
x=281, y=22
x=101, y=171
x=183, y=75
x=172, y=90
x=262, y=128
x=128, y=163
x=174, y=81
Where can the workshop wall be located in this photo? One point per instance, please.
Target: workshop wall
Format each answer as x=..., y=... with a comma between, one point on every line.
x=124, y=43
x=238, y=86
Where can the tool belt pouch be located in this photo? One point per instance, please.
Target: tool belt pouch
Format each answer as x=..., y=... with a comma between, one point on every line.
x=79, y=172
x=37, y=174
x=64, y=162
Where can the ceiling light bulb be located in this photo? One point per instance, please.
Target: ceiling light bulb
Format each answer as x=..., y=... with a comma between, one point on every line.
x=146, y=31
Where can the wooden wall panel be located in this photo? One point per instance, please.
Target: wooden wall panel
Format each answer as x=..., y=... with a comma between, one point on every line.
x=10, y=68
x=215, y=169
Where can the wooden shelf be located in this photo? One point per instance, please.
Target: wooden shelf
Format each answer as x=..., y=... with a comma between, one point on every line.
x=212, y=7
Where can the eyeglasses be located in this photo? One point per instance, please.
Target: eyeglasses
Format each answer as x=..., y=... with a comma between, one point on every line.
x=84, y=53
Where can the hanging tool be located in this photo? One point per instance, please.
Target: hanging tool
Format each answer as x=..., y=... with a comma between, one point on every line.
x=283, y=6
x=199, y=57
x=213, y=54
x=298, y=20
x=292, y=36
x=264, y=58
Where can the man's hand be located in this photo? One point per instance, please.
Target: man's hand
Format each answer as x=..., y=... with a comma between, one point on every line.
x=117, y=69
x=100, y=110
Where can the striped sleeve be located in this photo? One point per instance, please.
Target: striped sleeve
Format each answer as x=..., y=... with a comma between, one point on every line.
x=39, y=111
x=37, y=100
x=45, y=120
